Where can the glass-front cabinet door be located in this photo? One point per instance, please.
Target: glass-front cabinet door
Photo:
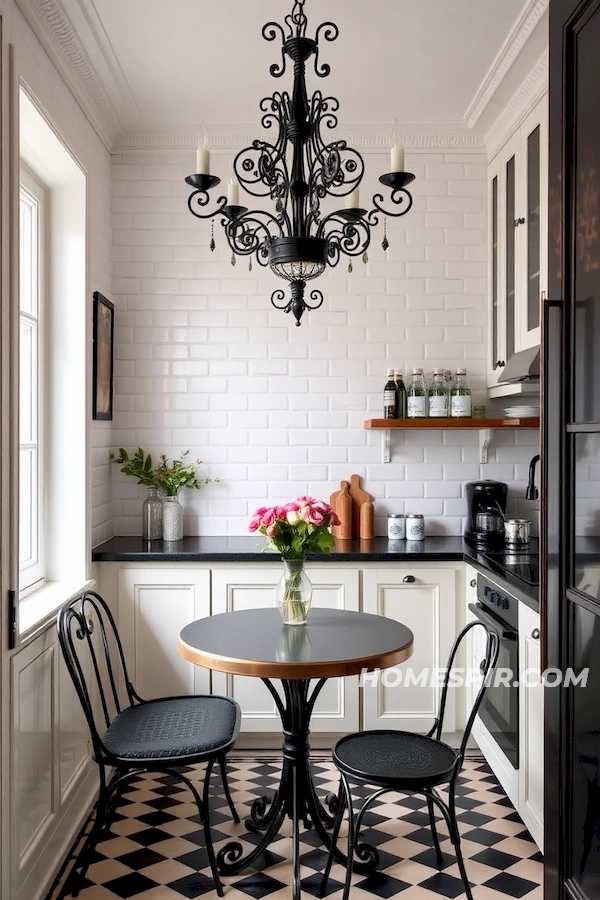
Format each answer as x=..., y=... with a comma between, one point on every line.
x=502, y=258
x=517, y=242
x=534, y=232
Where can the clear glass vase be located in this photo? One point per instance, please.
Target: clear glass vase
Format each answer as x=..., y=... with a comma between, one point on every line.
x=172, y=519
x=294, y=592
x=152, y=512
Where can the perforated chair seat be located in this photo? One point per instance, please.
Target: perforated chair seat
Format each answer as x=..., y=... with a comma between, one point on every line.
x=395, y=758
x=173, y=728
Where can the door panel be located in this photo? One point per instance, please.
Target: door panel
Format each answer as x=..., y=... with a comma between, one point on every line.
x=154, y=605
x=407, y=697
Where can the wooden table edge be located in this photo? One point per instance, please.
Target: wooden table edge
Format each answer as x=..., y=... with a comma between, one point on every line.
x=295, y=670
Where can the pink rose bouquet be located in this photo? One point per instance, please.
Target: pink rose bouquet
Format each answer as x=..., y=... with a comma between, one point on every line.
x=297, y=528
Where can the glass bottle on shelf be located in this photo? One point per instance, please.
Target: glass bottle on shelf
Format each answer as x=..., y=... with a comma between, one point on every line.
x=416, y=397
x=389, y=396
x=460, y=399
x=400, y=395
x=438, y=395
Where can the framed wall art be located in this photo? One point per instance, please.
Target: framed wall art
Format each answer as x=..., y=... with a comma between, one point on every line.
x=102, y=365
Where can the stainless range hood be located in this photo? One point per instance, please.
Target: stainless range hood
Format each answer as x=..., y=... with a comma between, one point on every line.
x=522, y=366
x=521, y=375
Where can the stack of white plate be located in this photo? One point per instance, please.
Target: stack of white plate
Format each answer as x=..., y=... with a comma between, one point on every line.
x=522, y=412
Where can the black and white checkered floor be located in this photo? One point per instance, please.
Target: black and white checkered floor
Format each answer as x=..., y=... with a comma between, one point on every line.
x=155, y=848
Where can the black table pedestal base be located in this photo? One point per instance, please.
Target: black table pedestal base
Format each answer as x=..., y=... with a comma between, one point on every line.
x=296, y=795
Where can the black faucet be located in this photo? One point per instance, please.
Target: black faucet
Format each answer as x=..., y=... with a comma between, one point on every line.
x=532, y=492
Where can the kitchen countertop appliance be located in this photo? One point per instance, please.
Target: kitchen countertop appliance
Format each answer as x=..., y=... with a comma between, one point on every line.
x=486, y=506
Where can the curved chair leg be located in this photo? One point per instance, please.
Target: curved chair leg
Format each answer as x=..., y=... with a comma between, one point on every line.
x=223, y=767
x=207, y=834
x=350, y=857
x=203, y=811
x=339, y=815
x=458, y=848
x=436, y=842
x=82, y=863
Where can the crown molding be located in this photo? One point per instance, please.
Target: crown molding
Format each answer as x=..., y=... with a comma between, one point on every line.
x=530, y=91
x=457, y=140
x=55, y=32
x=508, y=53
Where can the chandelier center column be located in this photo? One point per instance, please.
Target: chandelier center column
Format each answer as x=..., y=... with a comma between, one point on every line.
x=298, y=131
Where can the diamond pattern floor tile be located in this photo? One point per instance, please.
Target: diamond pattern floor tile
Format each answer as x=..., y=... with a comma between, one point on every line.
x=154, y=849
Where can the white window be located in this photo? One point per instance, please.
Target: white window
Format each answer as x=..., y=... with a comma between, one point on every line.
x=31, y=383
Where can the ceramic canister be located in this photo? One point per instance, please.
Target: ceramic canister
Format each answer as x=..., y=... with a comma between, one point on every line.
x=396, y=527
x=415, y=527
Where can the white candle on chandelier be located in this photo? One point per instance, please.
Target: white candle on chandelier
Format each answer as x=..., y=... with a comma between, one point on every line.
x=353, y=199
x=233, y=193
x=203, y=153
x=397, y=159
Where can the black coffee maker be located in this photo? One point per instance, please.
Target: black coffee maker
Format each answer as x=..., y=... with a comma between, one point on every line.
x=486, y=505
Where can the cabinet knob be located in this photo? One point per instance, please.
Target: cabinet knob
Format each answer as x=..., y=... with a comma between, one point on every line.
x=409, y=579
x=519, y=221
x=499, y=364
x=473, y=583
x=535, y=634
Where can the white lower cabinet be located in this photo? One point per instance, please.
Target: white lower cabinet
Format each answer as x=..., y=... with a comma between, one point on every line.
x=424, y=599
x=531, y=725
x=155, y=603
x=336, y=709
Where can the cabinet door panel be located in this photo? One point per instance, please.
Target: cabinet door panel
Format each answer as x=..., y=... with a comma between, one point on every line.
x=427, y=607
x=531, y=714
x=336, y=709
x=154, y=605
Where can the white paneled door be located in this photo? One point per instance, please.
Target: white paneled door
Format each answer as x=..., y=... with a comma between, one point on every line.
x=423, y=599
x=155, y=603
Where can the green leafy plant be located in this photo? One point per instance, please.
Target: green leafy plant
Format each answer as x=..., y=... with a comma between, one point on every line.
x=172, y=476
x=139, y=465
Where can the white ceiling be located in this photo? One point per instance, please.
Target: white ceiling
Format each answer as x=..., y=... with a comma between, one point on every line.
x=167, y=65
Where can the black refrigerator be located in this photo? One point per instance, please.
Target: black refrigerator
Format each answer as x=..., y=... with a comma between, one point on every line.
x=570, y=601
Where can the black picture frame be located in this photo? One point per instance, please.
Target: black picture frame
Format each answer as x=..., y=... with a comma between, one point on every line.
x=102, y=360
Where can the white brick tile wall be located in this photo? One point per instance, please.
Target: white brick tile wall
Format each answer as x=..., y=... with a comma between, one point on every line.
x=205, y=362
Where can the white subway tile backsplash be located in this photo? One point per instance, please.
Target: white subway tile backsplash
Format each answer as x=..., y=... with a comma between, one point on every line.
x=205, y=362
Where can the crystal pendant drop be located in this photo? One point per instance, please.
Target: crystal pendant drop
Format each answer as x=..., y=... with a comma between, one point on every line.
x=365, y=257
x=250, y=265
x=212, y=244
x=385, y=243
x=233, y=259
x=350, y=267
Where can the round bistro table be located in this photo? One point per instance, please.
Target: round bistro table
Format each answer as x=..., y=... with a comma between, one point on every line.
x=255, y=642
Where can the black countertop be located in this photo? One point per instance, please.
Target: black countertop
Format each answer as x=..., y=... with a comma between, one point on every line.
x=380, y=549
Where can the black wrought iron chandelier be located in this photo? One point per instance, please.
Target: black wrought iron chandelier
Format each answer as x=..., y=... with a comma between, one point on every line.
x=297, y=171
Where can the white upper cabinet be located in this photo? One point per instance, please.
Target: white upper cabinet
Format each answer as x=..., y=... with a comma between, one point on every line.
x=517, y=239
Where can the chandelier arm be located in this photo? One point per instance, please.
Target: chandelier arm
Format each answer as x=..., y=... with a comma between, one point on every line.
x=350, y=237
x=398, y=196
x=330, y=33
x=270, y=32
x=252, y=232
x=202, y=198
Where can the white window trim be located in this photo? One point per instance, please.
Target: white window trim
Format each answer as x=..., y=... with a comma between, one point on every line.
x=32, y=577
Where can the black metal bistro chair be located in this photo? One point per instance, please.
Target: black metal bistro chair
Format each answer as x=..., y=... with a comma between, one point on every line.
x=136, y=736
x=407, y=763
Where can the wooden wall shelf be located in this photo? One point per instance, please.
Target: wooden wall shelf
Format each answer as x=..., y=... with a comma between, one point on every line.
x=483, y=426
x=452, y=423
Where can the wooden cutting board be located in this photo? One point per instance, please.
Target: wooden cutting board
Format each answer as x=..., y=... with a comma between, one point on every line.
x=332, y=502
x=358, y=498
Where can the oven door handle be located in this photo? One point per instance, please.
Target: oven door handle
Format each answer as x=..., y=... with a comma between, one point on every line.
x=505, y=633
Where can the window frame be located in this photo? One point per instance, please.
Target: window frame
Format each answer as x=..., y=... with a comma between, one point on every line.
x=32, y=576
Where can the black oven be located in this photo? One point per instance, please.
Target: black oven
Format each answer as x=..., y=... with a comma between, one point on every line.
x=499, y=711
